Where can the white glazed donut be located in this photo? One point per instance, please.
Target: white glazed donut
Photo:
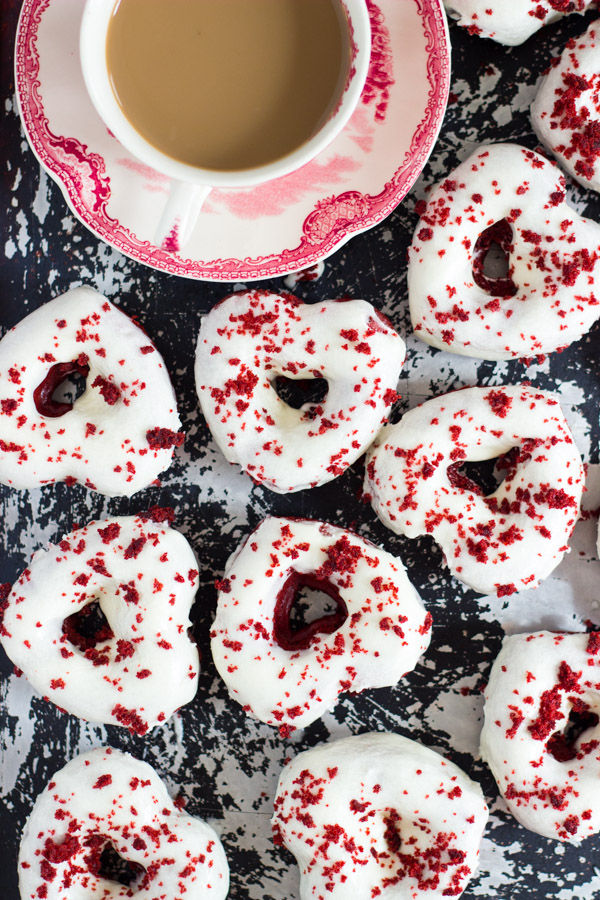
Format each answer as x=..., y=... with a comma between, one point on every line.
x=379, y=816
x=511, y=196
x=142, y=666
x=541, y=733
x=107, y=799
x=566, y=111
x=375, y=635
x=511, y=22
x=511, y=539
x=250, y=339
x=119, y=435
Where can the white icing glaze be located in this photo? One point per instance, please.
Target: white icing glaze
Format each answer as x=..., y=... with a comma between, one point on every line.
x=108, y=797
x=552, y=295
x=119, y=435
x=517, y=535
x=144, y=577
x=251, y=338
x=536, y=682
x=291, y=682
x=378, y=815
x=566, y=111
x=510, y=22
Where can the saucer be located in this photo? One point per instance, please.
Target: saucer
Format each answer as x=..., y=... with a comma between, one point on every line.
x=262, y=232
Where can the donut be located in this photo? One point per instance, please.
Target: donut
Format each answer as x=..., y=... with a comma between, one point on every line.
x=311, y=273
x=106, y=803
x=374, y=634
x=511, y=22
x=119, y=435
x=509, y=196
x=541, y=732
x=139, y=665
x=566, y=111
x=515, y=536
x=378, y=815
x=251, y=341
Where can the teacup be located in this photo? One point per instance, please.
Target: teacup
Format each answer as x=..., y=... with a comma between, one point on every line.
x=102, y=46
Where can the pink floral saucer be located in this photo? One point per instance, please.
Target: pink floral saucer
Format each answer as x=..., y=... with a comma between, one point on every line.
x=261, y=232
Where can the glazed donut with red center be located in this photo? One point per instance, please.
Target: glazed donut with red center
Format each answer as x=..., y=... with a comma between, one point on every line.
x=378, y=815
x=119, y=435
x=511, y=23
x=252, y=340
x=140, y=665
x=501, y=543
x=289, y=677
x=541, y=733
x=566, y=111
x=508, y=196
x=105, y=799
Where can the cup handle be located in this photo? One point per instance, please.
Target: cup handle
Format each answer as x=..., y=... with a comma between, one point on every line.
x=179, y=215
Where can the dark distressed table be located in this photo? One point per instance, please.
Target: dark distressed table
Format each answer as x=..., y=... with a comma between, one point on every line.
x=225, y=765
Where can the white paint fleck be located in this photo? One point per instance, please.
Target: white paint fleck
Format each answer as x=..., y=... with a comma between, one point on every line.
x=23, y=239
x=582, y=891
x=41, y=201
x=458, y=712
x=16, y=695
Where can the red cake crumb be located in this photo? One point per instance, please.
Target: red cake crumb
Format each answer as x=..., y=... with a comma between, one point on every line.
x=164, y=438
x=109, y=391
x=130, y=719
x=103, y=781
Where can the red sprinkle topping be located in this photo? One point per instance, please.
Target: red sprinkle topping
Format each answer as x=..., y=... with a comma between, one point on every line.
x=164, y=438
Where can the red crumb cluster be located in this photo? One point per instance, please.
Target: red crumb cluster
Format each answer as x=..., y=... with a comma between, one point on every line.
x=576, y=110
x=164, y=438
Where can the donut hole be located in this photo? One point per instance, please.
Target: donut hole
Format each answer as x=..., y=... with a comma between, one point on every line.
x=491, y=260
x=295, y=392
x=71, y=389
x=563, y=744
x=63, y=385
x=309, y=606
x=482, y=477
x=104, y=861
x=306, y=606
x=88, y=627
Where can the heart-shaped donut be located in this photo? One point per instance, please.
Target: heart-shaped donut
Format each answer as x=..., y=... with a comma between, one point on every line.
x=119, y=435
x=501, y=542
x=139, y=665
x=542, y=731
x=251, y=341
x=549, y=296
x=374, y=634
x=376, y=816
x=105, y=802
x=566, y=111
